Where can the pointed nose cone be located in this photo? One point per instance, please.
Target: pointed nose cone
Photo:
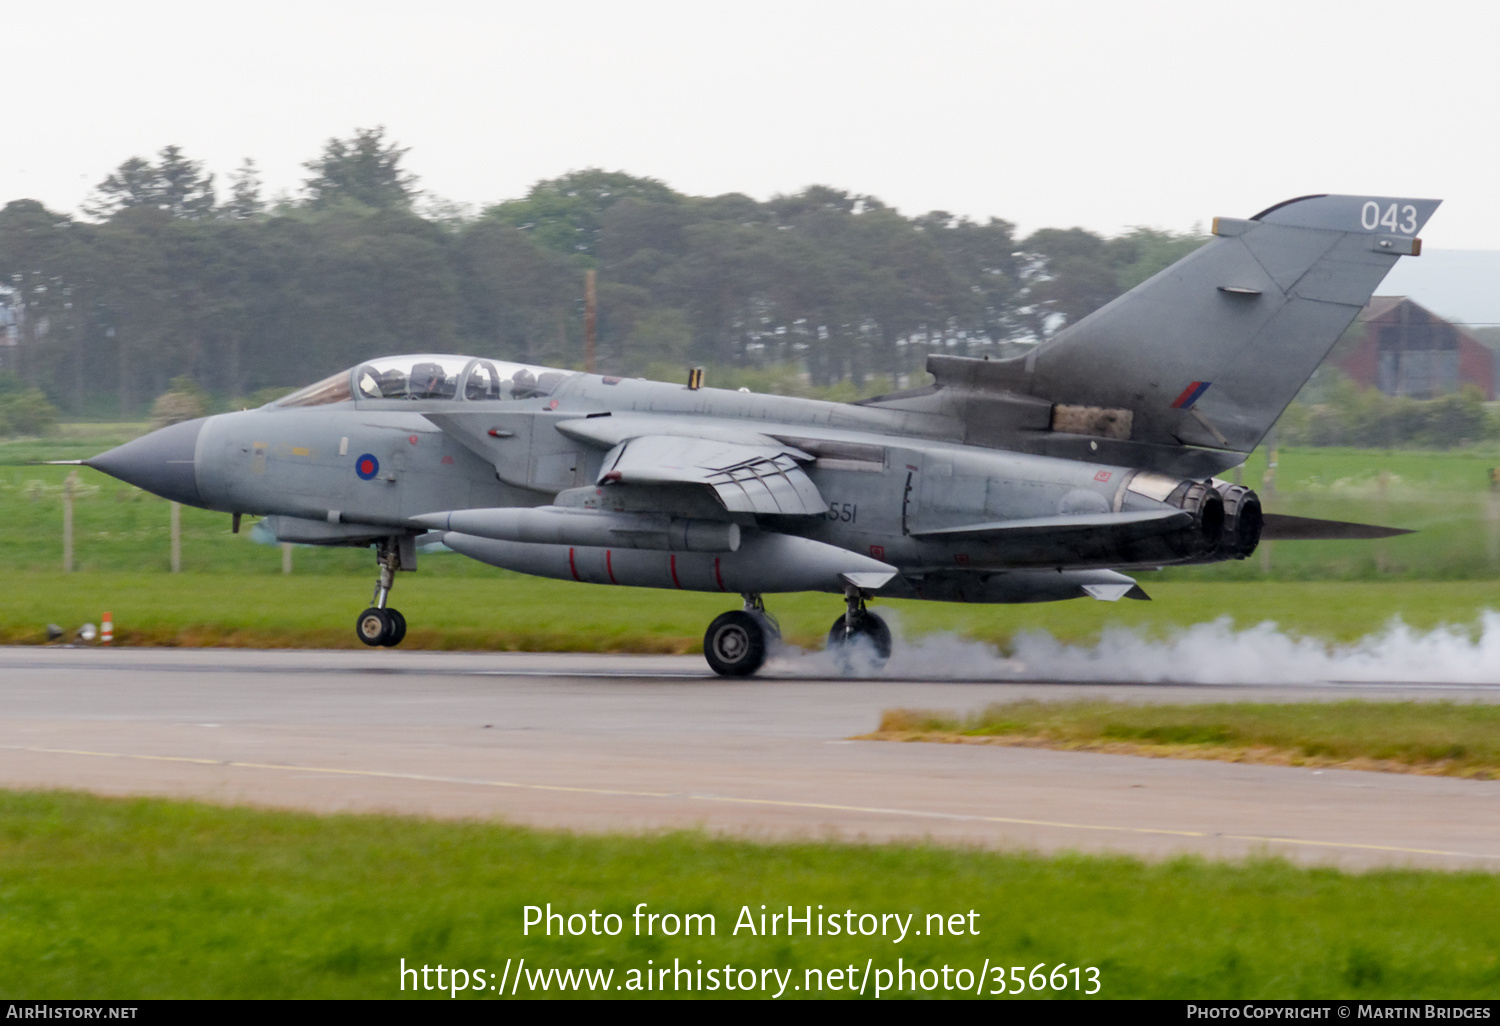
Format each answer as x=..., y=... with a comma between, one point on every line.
x=161, y=462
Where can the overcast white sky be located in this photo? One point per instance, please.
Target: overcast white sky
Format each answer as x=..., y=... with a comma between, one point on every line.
x=1104, y=115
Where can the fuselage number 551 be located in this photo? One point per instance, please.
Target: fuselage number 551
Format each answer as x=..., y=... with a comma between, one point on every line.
x=847, y=512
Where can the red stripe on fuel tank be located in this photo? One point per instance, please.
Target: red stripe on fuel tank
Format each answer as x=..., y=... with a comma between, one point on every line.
x=674, y=571
x=573, y=566
x=609, y=566
x=718, y=576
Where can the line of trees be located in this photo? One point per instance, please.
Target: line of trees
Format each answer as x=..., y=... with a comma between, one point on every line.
x=1335, y=411
x=162, y=278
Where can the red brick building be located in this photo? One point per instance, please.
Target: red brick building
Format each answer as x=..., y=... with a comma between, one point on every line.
x=1403, y=348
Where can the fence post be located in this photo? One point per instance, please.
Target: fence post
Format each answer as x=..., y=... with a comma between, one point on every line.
x=176, y=537
x=1268, y=489
x=68, y=486
x=1492, y=518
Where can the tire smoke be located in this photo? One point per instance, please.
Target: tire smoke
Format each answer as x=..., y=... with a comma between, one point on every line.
x=1205, y=653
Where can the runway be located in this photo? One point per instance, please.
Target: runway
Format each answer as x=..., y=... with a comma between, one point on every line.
x=649, y=743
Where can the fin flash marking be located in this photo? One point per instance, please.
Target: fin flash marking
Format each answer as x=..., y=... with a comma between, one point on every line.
x=1191, y=395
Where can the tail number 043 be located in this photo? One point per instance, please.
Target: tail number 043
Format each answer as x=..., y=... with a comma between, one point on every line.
x=1404, y=220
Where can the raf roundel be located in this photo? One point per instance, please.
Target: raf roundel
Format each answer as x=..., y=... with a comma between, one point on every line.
x=367, y=466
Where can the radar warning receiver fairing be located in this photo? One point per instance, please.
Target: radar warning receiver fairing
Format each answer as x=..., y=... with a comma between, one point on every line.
x=1034, y=479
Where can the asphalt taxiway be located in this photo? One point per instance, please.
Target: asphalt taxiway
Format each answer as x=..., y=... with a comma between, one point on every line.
x=647, y=743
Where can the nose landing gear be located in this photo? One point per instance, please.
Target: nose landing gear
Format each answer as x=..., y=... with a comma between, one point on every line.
x=381, y=625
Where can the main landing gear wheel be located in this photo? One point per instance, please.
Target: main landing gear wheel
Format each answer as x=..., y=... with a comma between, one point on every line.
x=860, y=637
x=735, y=643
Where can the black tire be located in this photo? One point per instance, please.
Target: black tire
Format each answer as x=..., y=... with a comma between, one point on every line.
x=373, y=626
x=867, y=627
x=398, y=628
x=735, y=644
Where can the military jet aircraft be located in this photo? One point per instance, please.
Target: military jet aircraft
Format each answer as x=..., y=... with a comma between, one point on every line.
x=1020, y=480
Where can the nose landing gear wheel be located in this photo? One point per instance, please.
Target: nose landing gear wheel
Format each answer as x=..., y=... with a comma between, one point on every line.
x=735, y=644
x=398, y=628
x=384, y=627
x=867, y=632
x=373, y=626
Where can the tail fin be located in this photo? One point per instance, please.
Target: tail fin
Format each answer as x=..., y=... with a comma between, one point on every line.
x=1211, y=350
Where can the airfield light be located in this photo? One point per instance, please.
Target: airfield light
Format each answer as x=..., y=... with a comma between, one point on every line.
x=86, y=632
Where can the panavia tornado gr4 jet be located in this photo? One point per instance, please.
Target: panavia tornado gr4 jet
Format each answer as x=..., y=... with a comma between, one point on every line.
x=1022, y=480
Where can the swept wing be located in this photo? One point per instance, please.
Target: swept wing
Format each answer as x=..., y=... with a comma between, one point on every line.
x=745, y=478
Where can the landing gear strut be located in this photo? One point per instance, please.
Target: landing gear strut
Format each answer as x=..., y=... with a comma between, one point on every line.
x=380, y=624
x=858, y=632
x=736, y=642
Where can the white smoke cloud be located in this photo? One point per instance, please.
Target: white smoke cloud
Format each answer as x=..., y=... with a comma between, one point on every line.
x=1205, y=653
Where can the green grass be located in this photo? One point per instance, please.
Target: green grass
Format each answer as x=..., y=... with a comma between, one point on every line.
x=496, y=610
x=1356, y=472
x=1444, y=738
x=1443, y=496
x=69, y=442
x=109, y=898
x=1327, y=610
x=117, y=527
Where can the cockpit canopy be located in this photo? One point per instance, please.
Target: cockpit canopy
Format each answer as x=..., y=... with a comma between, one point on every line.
x=427, y=376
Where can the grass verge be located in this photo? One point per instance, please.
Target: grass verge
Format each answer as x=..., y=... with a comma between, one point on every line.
x=463, y=605
x=110, y=898
x=1437, y=738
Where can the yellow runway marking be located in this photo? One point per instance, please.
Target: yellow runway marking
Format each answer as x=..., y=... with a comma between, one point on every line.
x=947, y=815
x=729, y=800
x=336, y=771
